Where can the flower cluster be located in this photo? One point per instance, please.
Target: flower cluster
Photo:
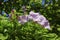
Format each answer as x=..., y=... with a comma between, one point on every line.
x=36, y=17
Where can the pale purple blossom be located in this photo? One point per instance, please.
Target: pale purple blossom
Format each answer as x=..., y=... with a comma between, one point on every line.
x=44, y=22
x=33, y=16
x=40, y=19
x=47, y=25
x=23, y=19
x=36, y=17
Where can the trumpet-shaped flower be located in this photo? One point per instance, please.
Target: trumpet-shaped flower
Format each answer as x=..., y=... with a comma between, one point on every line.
x=36, y=17
x=44, y=22
x=23, y=19
x=40, y=19
x=33, y=16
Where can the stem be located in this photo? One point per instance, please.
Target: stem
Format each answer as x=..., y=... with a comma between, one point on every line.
x=24, y=9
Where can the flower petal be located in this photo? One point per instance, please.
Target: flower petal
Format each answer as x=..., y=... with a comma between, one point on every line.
x=23, y=19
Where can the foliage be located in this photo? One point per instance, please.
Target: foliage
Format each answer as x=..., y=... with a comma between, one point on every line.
x=30, y=30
